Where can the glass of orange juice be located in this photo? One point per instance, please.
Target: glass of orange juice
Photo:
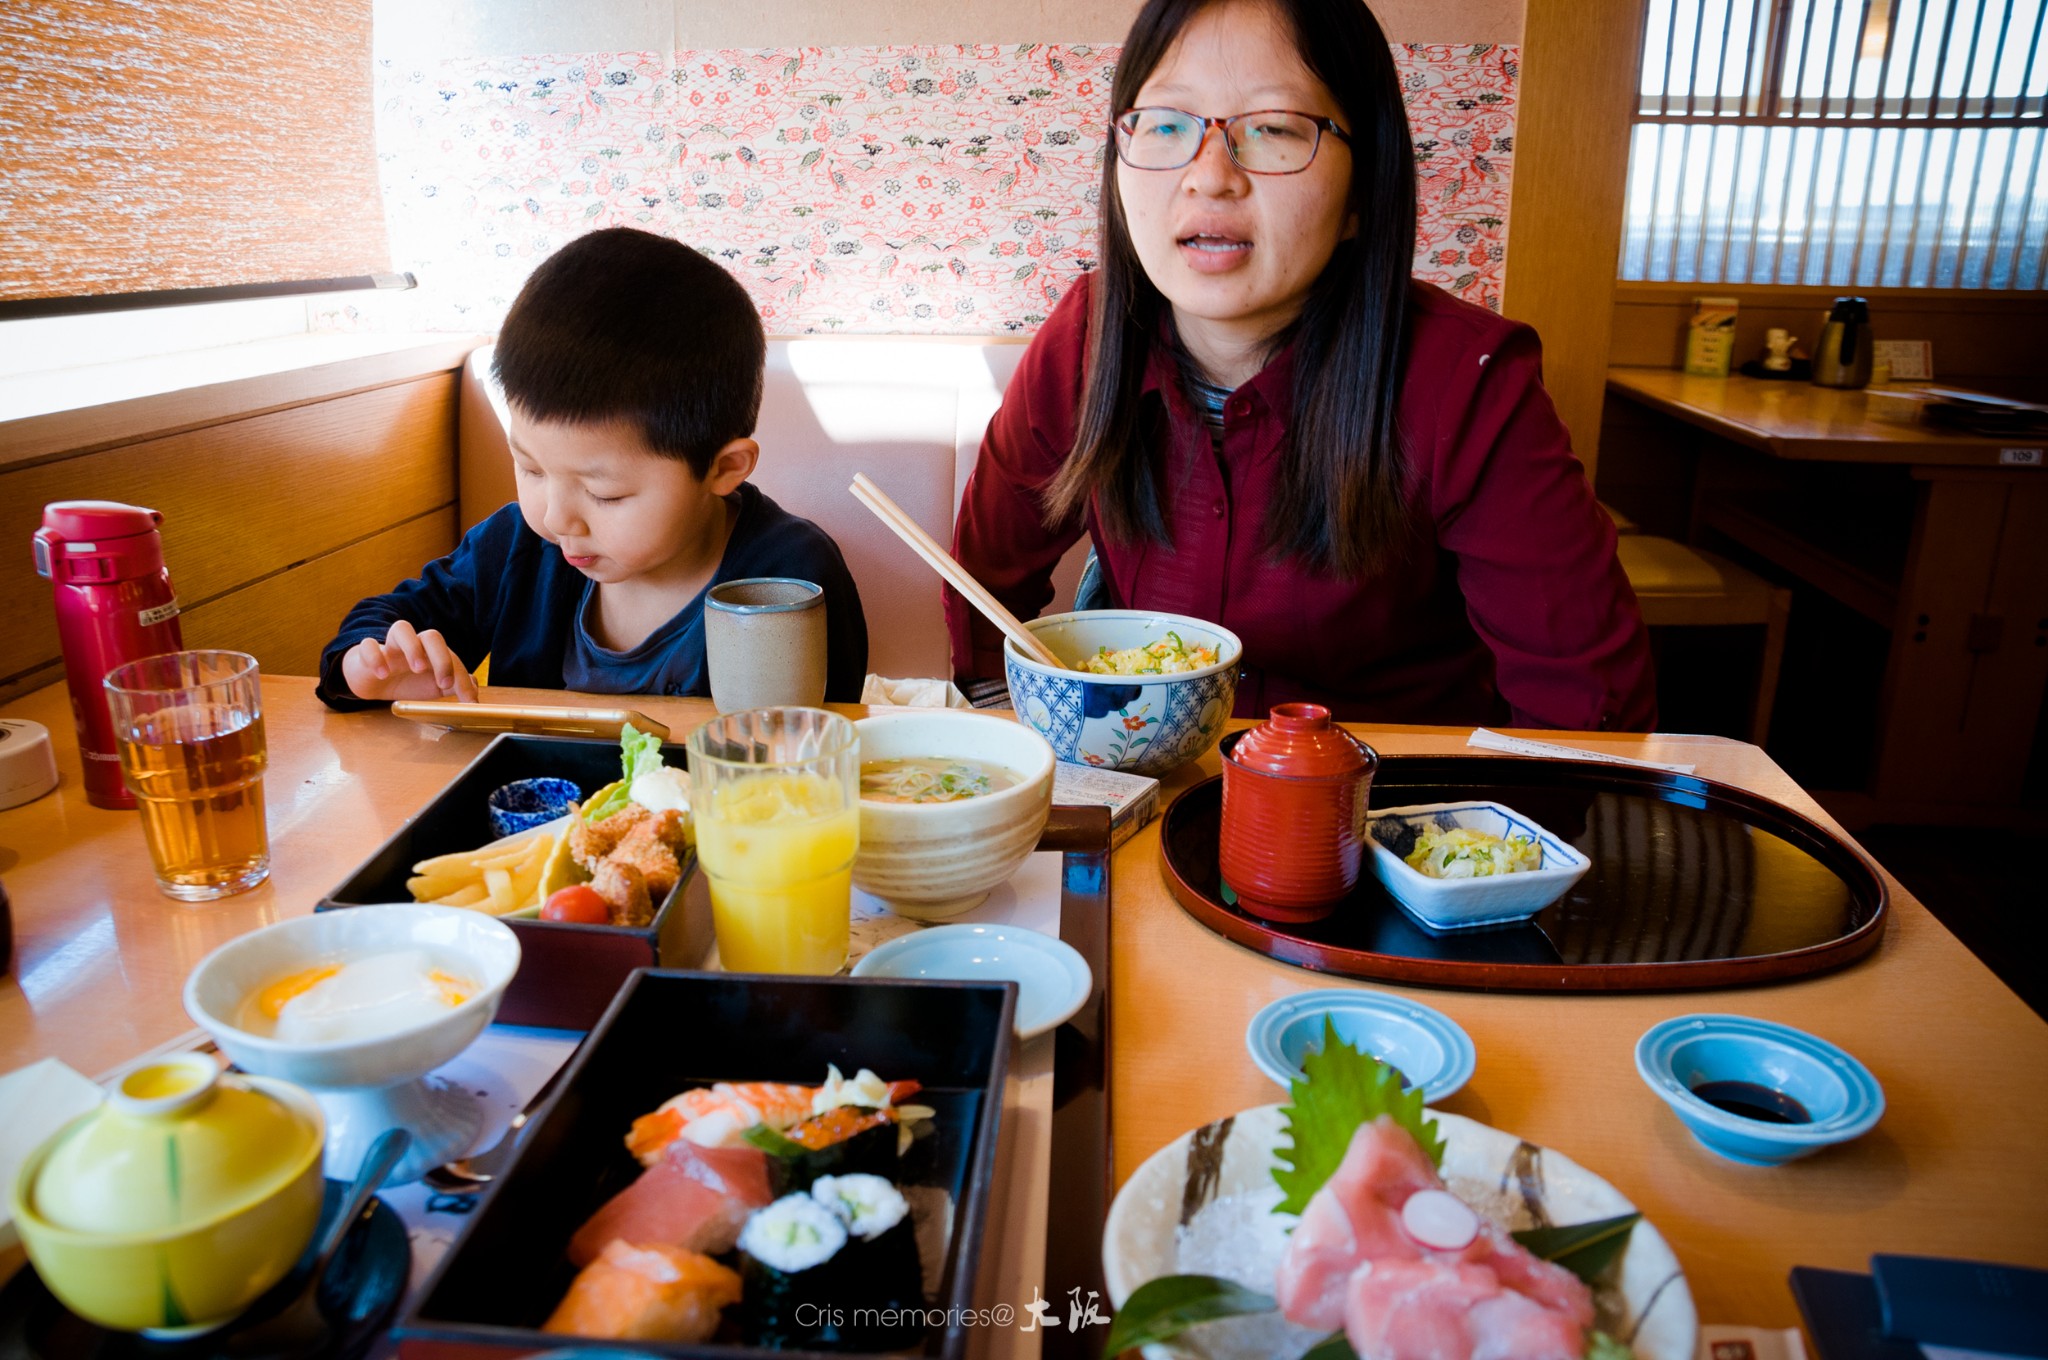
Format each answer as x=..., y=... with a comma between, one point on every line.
x=189, y=726
x=776, y=798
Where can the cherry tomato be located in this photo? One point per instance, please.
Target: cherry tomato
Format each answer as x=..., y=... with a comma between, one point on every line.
x=578, y=902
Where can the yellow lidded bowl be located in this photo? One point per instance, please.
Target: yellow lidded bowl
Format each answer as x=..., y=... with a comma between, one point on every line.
x=174, y=1206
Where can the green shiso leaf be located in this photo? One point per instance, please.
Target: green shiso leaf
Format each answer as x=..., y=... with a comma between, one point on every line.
x=1335, y=1346
x=1585, y=1249
x=1344, y=1088
x=1165, y=1307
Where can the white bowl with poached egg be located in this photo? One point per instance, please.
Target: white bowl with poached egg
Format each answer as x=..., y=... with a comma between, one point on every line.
x=359, y=1006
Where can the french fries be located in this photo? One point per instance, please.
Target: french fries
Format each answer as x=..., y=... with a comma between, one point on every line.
x=497, y=878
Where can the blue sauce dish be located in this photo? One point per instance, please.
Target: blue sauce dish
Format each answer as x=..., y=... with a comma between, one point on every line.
x=1758, y=1092
x=527, y=803
x=1427, y=1046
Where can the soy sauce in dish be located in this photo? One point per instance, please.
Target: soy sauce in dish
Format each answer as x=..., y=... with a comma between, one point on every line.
x=1751, y=1101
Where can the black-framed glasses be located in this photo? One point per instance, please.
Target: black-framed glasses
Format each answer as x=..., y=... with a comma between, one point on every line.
x=1266, y=142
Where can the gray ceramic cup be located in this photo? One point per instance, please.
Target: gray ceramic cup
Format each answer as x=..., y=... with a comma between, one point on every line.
x=764, y=643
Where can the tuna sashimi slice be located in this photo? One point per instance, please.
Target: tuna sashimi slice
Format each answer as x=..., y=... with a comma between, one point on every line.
x=696, y=1198
x=1440, y=1310
x=1352, y=1263
x=1354, y=1217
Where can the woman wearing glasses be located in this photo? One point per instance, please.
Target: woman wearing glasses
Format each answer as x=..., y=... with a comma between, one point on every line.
x=1261, y=420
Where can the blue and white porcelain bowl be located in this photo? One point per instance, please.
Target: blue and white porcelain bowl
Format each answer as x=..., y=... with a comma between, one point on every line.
x=1757, y=1064
x=1143, y=724
x=1430, y=1049
x=1447, y=904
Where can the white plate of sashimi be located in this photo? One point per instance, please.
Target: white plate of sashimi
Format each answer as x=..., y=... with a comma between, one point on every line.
x=1203, y=1205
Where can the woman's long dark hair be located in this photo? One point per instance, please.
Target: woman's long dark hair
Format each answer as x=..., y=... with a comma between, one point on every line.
x=1339, y=505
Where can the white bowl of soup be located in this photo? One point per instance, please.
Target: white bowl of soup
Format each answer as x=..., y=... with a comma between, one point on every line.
x=950, y=804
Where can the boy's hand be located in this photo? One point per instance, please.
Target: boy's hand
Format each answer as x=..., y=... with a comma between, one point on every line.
x=407, y=665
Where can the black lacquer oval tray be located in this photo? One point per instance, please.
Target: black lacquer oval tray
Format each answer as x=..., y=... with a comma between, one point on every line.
x=1694, y=884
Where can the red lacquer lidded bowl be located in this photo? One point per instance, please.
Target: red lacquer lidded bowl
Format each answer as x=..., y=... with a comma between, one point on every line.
x=1294, y=802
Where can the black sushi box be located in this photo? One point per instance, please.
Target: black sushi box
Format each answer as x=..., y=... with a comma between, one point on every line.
x=669, y=1031
x=568, y=973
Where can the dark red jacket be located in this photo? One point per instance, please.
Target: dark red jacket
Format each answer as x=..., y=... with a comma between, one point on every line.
x=1514, y=610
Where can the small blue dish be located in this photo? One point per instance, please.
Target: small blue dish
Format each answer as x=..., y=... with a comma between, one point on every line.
x=1427, y=1046
x=1707, y=1067
x=1052, y=978
x=527, y=803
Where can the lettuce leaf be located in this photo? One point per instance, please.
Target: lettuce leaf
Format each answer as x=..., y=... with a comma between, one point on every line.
x=639, y=753
x=1343, y=1088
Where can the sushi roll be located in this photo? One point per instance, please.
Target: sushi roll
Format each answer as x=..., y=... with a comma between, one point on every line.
x=792, y=1296
x=868, y=1205
x=881, y=1254
x=811, y=1281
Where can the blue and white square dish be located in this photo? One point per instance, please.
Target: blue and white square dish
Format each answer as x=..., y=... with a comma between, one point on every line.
x=1446, y=904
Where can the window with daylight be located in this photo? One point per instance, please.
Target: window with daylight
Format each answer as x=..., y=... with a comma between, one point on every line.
x=1847, y=143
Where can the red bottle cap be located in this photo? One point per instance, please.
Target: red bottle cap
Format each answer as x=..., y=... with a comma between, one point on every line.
x=73, y=521
x=1300, y=741
x=92, y=542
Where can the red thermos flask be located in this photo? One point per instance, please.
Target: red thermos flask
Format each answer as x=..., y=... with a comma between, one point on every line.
x=114, y=604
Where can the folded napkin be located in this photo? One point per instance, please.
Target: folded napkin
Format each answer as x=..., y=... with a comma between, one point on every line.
x=883, y=692
x=35, y=1101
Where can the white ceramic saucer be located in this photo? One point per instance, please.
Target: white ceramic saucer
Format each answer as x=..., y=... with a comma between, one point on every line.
x=1052, y=979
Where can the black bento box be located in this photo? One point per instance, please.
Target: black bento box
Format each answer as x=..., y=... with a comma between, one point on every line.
x=567, y=973
x=669, y=1031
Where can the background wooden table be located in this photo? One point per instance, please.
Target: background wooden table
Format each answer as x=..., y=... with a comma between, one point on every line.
x=1963, y=590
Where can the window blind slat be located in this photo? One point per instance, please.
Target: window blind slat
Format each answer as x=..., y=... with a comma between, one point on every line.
x=1888, y=142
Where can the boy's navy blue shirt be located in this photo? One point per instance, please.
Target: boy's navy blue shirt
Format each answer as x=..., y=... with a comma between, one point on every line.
x=506, y=593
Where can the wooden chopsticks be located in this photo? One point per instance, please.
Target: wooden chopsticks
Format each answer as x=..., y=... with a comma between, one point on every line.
x=906, y=528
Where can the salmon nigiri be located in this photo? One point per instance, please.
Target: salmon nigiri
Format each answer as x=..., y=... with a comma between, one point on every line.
x=656, y=1293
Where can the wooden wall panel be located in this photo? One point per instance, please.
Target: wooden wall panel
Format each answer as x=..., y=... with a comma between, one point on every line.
x=1579, y=62
x=284, y=620
x=242, y=500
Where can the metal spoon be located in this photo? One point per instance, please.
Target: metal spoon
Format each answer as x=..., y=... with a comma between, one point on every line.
x=466, y=1175
x=300, y=1325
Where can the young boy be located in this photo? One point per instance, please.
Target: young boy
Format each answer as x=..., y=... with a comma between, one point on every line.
x=633, y=366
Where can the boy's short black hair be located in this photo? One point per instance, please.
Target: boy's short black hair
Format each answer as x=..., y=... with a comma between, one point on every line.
x=626, y=325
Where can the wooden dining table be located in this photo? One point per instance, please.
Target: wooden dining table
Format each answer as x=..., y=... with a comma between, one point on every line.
x=1955, y=1167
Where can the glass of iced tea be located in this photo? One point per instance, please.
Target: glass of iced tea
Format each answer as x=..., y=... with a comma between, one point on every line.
x=190, y=730
x=776, y=797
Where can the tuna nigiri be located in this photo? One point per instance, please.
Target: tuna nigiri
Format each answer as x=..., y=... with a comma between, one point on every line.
x=696, y=1198
x=657, y=1293
x=1405, y=1286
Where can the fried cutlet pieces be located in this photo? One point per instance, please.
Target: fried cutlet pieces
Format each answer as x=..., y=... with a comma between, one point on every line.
x=591, y=841
x=632, y=857
x=624, y=890
x=651, y=847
